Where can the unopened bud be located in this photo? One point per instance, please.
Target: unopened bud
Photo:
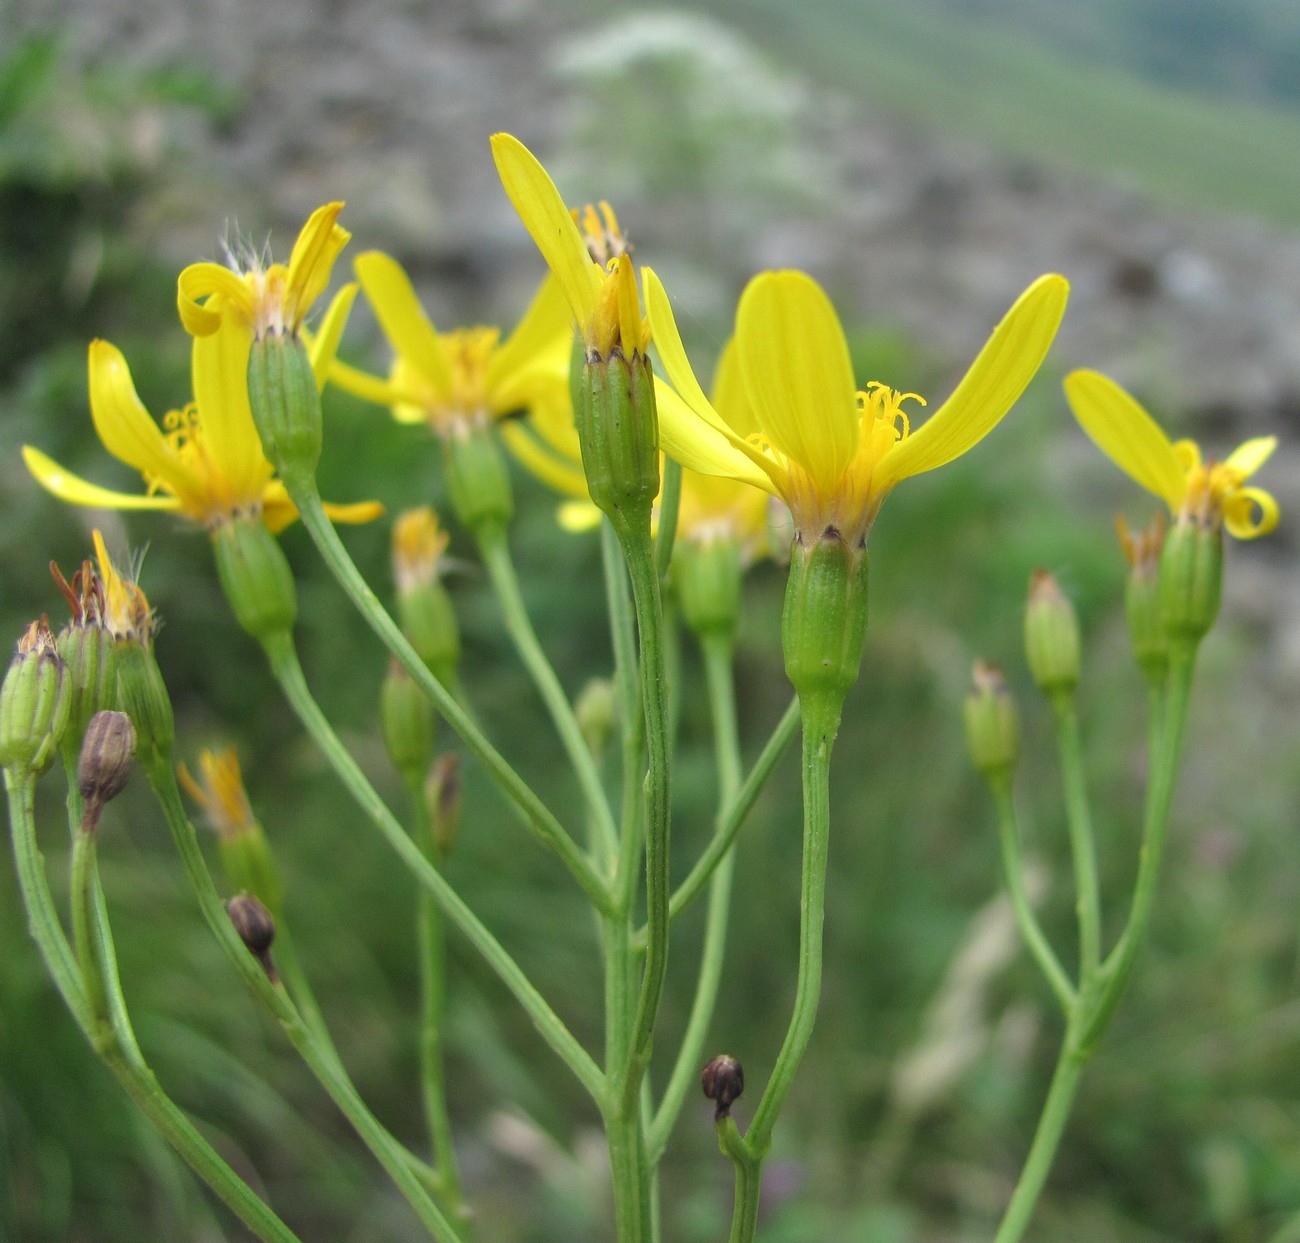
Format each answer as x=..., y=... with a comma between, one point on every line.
x=707, y=576
x=723, y=1081
x=256, y=929
x=107, y=753
x=255, y=577
x=285, y=403
x=444, y=800
x=1051, y=636
x=992, y=731
x=1146, y=623
x=1191, y=579
x=596, y=711
x=35, y=701
x=408, y=722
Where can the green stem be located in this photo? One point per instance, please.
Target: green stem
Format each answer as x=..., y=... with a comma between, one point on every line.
x=733, y=817
x=820, y=726
x=433, y=1005
x=128, y=1068
x=1047, y=1136
x=1030, y=929
x=288, y=672
x=1082, y=841
x=639, y=556
x=670, y=499
x=521, y=796
x=505, y=582
x=749, y=1181
x=319, y=1055
x=722, y=699
x=1169, y=730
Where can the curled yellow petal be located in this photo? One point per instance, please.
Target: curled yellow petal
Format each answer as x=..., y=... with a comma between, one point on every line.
x=1250, y=512
x=991, y=386
x=798, y=374
x=1127, y=434
x=1249, y=457
x=202, y=280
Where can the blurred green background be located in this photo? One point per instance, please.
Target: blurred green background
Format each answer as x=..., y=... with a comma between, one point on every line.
x=730, y=139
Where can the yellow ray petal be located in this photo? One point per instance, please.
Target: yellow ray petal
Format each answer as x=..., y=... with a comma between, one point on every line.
x=353, y=513
x=542, y=210
x=369, y=387
x=1250, y=512
x=1127, y=434
x=797, y=372
x=124, y=425
x=77, y=491
x=688, y=439
x=1000, y=373
x=323, y=344
x=402, y=318
x=237, y=464
x=561, y=474
x=543, y=337
x=730, y=397
x=1249, y=457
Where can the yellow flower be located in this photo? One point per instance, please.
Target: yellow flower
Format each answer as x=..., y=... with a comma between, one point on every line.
x=806, y=433
x=220, y=792
x=1206, y=493
x=467, y=378
x=419, y=548
x=266, y=298
x=206, y=461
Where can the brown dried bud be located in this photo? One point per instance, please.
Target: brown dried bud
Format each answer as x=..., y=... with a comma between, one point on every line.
x=107, y=753
x=723, y=1081
x=445, y=802
x=256, y=929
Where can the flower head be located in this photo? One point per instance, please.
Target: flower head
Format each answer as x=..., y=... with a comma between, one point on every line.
x=1208, y=494
x=805, y=432
x=127, y=615
x=219, y=791
x=267, y=298
x=205, y=461
x=584, y=249
x=465, y=378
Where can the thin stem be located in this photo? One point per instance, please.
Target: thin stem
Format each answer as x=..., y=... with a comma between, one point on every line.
x=749, y=1179
x=638, y=553
x=722, y=699
x=1160, y=795
x=670, y=499
x=1030, y=929
x=288, y=672
x=520, y=795
x=505, y=582
x=317, y=1053
x=1047, y=1136
x=733, y=817
x=819, y=730
x=129, y=1070
x=1082, y=841
x=433, y=999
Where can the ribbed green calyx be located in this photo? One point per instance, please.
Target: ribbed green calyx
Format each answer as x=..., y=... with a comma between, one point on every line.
x=255, y=577
x=286, y=406
x=618, y=432
x=1191, y=580
x=707, y=574
x=478, y=480
x=824, y=622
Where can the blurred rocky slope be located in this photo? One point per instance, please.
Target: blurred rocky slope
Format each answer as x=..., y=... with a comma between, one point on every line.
x=722, y=160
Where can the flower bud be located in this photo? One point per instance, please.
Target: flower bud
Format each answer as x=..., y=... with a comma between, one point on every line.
x=408, y=722
x=107, y=753
x=444, y=801
x=35, y=702
x=256, y=929
x=424, y=608
x=1051, y=636
x=478, y=480
x=286, y=405
x=824, y=621
x=723, y=1081
x=992, y=729
x=618, y=432
x=707, y=574
x=596, y=710
x=142, y=694
x=87, y=649
x=1146, y=623
x=255, y=577
x=1191, y=580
